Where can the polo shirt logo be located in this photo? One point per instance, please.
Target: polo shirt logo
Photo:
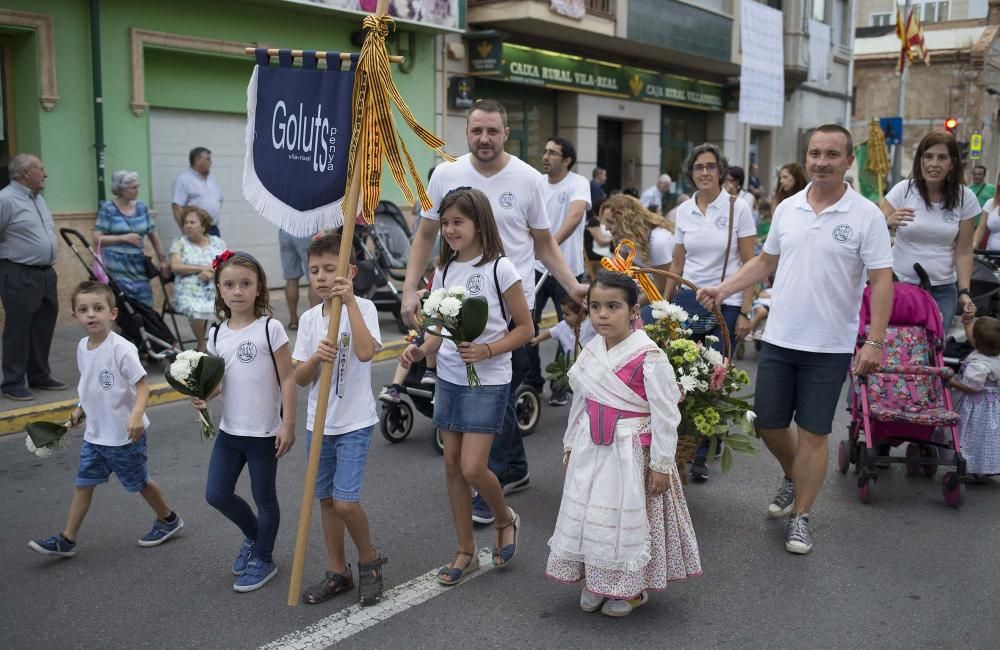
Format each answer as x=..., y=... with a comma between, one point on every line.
x=842, y=233
x=247, y=352
x=507, y=200
x=722, y=221
x=474, y=285
x=106, y=379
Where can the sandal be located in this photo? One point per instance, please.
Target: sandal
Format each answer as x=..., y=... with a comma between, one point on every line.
x=370, y=579
x=331, y=585
x=503, y=555
x=293, y=325
x=451, y=576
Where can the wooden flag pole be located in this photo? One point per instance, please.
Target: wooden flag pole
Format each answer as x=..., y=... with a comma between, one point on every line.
x=335, y=304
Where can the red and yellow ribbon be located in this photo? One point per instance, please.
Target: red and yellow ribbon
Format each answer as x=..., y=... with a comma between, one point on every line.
x=622, y=263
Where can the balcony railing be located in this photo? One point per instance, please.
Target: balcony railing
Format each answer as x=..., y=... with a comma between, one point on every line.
x=602, y=8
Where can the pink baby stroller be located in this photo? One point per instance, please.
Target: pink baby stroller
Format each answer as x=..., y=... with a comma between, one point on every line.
x=906, y=401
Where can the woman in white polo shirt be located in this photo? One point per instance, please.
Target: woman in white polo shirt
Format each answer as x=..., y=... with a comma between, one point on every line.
x=934, y=217
x=703, y=233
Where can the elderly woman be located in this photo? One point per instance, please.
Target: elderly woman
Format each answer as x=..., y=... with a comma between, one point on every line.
x=121, y=225
x=191, y=258
x=934, y=217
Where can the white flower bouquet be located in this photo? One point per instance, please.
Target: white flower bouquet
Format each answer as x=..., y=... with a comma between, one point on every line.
x=458, y=318
x=46, y=438
x=197, y=374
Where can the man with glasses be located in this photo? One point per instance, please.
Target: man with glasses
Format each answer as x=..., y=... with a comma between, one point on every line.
x=515, y=193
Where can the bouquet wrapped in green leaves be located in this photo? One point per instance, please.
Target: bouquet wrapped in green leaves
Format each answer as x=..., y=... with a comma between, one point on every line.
x=197, y=374
x=458, y=318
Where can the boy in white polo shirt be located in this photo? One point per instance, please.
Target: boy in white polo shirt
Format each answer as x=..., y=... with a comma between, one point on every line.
x=350, y=420
x=113, y=393
x=821, y=243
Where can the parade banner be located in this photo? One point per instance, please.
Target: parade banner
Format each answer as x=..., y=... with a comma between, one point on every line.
x=762, y=69
x=299, y=122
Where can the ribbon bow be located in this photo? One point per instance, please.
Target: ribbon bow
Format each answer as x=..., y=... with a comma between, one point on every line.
x=622, y=263
x=221, y=258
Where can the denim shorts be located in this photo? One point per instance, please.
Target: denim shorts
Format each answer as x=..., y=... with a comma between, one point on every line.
x=128, y=462
x=470, y=410
x=294, y=255
x=342, y=464
x=806, y=384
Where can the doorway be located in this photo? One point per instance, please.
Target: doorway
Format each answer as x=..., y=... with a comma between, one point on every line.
x=609, y=151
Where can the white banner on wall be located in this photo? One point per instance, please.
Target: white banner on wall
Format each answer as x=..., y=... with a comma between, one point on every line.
x=762, y=73
x=819, y=52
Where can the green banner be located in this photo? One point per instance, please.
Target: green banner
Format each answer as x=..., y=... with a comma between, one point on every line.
x=489, y=56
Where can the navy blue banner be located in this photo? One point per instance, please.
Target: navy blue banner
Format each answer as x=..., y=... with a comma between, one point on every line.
x=298, y=151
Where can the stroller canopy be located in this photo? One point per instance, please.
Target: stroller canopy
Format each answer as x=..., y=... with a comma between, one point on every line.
x=911, y=305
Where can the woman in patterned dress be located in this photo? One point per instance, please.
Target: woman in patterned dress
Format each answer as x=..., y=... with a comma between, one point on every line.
x=623, y=524
x=191, y=260
x=121, y=225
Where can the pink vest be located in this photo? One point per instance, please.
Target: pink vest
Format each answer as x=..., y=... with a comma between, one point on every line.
x=603, y=418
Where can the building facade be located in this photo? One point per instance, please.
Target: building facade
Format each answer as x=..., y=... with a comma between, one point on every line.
x=173, y=76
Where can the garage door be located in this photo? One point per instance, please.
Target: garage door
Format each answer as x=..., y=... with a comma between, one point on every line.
x=172, y=134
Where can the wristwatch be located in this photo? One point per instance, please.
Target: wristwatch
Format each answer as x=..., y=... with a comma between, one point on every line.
x=748, y=315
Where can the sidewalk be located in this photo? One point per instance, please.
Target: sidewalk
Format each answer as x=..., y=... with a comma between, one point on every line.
x=56, y=406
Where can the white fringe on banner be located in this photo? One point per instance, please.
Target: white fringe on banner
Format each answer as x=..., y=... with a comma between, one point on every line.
x=294, y=222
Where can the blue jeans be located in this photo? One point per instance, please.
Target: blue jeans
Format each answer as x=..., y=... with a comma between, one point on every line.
x=507, y=458
x=229, y=455
x=127, y=462
x=946, y=297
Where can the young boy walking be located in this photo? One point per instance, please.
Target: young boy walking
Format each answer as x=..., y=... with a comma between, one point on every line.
x=350, y=420
x=113, y=393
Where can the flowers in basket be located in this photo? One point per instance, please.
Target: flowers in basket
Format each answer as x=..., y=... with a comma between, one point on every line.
x=708, y=382
x=458, y=318
x=197, y=374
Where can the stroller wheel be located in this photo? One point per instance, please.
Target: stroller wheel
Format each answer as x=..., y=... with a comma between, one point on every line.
x=930, y=453
x=437, y=442
x=396, y=422
x=528, y=408
x=954, y=490
x=912, y=459
x=866, y=488
x=843, y=456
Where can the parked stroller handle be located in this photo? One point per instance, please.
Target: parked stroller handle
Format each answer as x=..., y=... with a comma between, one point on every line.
x=987, y=253
x=66, y=232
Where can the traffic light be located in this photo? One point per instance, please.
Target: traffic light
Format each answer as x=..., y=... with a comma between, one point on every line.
x=950, y=124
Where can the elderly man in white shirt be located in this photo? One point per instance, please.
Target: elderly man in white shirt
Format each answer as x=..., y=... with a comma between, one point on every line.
x=197, y=187
x=822, y=242
x=652, y=198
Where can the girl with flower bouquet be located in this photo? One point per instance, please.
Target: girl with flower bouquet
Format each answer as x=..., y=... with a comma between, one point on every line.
x=623, y=525
x=472, y=259
x=258, y=412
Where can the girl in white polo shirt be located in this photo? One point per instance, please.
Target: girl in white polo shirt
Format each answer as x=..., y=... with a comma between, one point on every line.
x=933, y=214
x=258, y=412
x=704, y=235
x=472, y=257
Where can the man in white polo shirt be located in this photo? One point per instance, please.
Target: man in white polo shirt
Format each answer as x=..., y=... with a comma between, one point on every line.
x=821, y=243
x=567, y=199
x=514, y=191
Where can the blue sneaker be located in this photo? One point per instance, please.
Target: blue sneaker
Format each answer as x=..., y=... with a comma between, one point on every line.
x=256, y=576
x=481, y=513
x=55, y=545
x=161, y=531
x=243, y=558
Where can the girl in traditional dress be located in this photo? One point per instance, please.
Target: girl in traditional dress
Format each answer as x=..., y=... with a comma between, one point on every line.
x=623, y=524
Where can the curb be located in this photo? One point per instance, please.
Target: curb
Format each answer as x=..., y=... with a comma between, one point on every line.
x=15, y=420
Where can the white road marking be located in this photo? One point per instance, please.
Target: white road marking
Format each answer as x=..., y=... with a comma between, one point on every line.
x=348, y=622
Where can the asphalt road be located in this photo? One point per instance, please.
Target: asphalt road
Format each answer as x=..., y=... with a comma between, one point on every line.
x=904, y=571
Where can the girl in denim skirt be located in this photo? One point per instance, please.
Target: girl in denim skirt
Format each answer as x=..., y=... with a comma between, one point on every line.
x=472, y=257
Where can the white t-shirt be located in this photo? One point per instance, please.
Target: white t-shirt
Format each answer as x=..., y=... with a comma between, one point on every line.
x=191, y=188
x=566, y=337
x=930, y=238
x=515, y=195
x=993, y=224
x=978, y=368
x=821, y=272
x=704, y=238
x=651, y=199
x=251, y=396
x=478, y=281
x=351, y=405
x=558, y=197
x=108, y=376
x=661, y=248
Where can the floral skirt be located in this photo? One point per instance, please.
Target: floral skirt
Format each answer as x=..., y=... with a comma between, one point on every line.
x=673, y=548
x=979, y=432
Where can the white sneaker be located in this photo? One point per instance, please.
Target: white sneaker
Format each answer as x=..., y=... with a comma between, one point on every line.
x=589, y=601
x=617, y=608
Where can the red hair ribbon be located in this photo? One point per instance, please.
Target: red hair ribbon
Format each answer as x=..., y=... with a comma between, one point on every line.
x=221, y=258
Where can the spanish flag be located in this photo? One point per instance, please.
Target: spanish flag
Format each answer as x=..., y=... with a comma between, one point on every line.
x=910, y=38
